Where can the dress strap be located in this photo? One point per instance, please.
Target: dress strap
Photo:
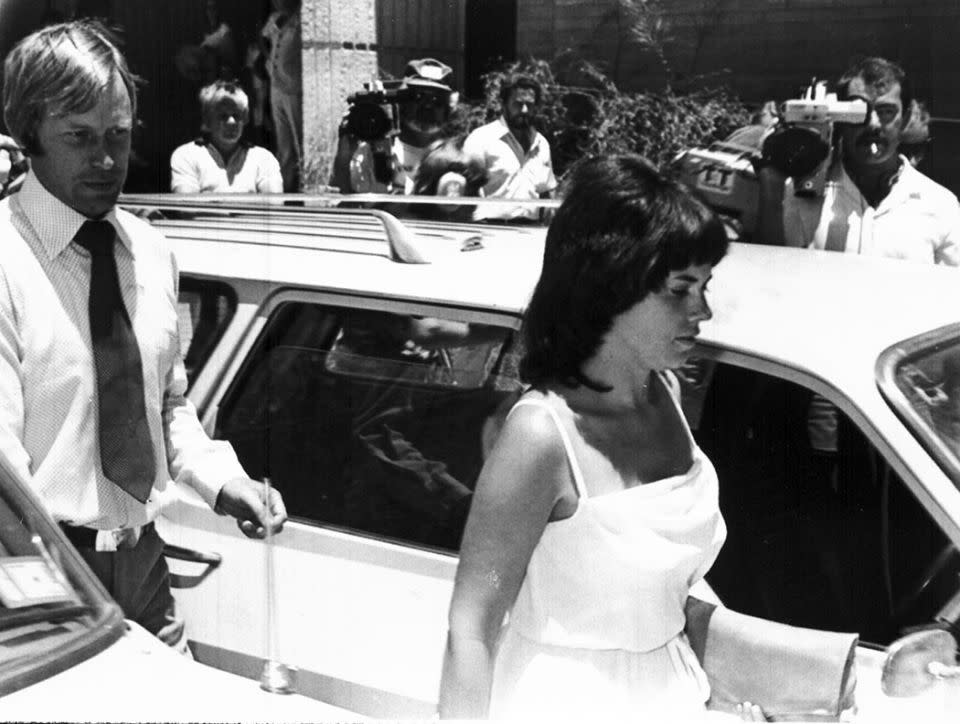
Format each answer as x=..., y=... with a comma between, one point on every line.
x=672, y=385
x=567, y=443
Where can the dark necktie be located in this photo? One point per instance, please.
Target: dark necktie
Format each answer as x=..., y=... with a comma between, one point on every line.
x=126, y=451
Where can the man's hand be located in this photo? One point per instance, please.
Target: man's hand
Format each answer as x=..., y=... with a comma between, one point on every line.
x=243, y=499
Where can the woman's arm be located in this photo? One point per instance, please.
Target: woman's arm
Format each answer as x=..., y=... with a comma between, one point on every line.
x=516, y=492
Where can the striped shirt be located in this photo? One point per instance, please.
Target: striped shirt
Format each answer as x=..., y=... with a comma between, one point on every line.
x=48, y=389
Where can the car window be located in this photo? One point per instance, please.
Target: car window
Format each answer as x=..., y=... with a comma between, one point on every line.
x=822, y=532
x=371, y=421
x=53, y=614
x=920, y=378
x=204, y=309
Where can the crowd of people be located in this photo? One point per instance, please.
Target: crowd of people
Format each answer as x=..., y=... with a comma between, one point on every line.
x=507, y=158
x=595, y=467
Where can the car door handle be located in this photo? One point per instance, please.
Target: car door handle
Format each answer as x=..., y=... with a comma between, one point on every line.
x=180, y=580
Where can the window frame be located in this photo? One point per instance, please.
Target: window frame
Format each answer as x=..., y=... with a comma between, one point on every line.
x=197, y=284
x=871, y=432
x=257, y=334
x=889, y=361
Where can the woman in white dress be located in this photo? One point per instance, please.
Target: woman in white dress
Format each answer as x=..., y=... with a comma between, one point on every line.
x=596, y=511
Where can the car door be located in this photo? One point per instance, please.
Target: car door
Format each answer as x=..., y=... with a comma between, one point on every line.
x=823, y=531
x=370, y=416
x=374, y=435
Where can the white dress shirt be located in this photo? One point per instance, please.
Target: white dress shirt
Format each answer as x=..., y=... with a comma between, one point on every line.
x=918, y=220
x=48, y=389
x=514, y=173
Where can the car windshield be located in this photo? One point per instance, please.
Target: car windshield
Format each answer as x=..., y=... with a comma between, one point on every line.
x=53, y=613
x=920, y=378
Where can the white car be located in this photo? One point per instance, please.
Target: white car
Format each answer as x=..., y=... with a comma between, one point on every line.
x=67, y=654
x=362, y=364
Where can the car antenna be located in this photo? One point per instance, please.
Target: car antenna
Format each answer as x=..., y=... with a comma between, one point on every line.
x=277, y=678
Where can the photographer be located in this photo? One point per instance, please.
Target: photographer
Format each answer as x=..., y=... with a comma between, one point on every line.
x=874, y=201
x=387, y=131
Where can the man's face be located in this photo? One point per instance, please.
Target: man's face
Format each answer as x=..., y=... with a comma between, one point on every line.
x=424, y=114
x=875, y=142
x=85, y=155
x=225, y=124
x=521, y=108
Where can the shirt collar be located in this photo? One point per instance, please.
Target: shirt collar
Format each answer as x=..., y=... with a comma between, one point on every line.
x=54, y=222
x=507, y=135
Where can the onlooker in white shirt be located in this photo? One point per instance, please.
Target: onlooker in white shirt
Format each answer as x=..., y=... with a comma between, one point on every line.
x=220, y=160
x=516, y=155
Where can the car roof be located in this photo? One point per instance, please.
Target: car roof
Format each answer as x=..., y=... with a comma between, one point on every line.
x=347, y=251
x=826, y=312
x=823, y=312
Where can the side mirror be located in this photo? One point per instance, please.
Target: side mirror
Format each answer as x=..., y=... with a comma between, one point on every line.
x=917, y=661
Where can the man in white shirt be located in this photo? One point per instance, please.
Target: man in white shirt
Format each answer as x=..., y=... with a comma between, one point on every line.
x=874, y=201
x=221, y=161
x=93, y=408
x=516, y=155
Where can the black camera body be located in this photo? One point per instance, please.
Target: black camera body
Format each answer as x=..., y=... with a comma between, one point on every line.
x=373, y=112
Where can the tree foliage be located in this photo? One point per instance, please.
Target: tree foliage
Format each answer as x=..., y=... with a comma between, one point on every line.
x=583, y=113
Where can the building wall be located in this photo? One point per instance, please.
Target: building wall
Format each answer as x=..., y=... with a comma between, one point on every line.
x=409, y=29
x=339, y=54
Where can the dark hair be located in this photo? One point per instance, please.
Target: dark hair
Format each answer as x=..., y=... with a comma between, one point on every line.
x=620, y=231
x=880, y=74
x=444, y=156
x=512, y=82
x=61, y=68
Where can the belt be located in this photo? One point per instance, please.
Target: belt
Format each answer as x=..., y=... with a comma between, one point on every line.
x=83, y=537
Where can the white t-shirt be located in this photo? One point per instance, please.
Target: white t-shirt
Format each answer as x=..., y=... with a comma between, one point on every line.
x=198, y=167
x=919, y=220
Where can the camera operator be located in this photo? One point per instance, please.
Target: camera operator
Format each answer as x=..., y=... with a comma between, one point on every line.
x=874, y=201
x=386, y=132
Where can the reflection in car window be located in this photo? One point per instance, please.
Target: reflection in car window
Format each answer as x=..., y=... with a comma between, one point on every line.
x=204, y=309
x=831, y=540
x=929, y=378
x=372, y=421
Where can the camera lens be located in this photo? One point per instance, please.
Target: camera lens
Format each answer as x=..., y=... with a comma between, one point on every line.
x=368, y=121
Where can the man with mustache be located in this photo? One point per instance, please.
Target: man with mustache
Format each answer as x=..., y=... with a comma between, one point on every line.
x=516, y=155
x=93, y=407
x=874, y=201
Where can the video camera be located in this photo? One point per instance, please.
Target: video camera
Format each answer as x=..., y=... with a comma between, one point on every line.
x=799, y=146
x=374, y=113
